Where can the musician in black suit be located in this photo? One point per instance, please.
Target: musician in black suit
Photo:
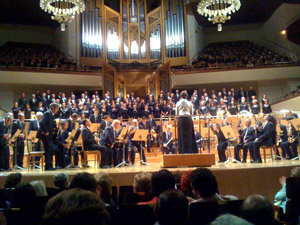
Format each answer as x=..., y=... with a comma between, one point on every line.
x=19, y=144
x=222, y=142
x=5, y=135
x=284, y=143
x=246, y=140
x=34, y=125
x=47, y=133
x=105, y=123
x=145, y=125
x=33, y=102
x=267, y=137
x=251, y=93
x=61, y=153
x=294, y=141
x=22, y=102
x=73, y=123
x=91, y=143
x=168, y=144
x=108, y=140
x=96, y=117
x=135, y=144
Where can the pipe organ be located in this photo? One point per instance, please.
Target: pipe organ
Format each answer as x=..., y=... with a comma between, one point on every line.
x=134, y=33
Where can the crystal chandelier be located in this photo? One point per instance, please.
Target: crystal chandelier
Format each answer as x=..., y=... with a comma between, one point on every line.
x=63, y=11
x=218, y=11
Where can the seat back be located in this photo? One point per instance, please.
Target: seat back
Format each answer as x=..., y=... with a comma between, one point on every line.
x=203, y=212
x=136, y=215
x=293, y=204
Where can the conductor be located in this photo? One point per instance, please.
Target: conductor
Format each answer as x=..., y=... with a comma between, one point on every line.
x=186, y=134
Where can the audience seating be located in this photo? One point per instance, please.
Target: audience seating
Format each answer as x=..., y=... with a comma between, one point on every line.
x=293, y=204
x=136, y=215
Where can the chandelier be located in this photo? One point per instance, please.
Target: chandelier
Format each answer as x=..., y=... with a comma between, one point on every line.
x=63, y=11
x=218, y=11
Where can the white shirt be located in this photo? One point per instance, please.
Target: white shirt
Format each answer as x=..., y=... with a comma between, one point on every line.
x=184, y=107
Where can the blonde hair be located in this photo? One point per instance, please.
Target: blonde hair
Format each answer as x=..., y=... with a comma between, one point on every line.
x=295, y=172
x=142, y=183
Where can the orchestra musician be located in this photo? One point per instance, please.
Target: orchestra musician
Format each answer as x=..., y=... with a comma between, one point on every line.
x=96, y=118
x=19, y=145
x=123, y=146
x=222, y=142
x=91, y=143
x=135, y=144
x=61, y=153
x=284, y=143
x=47, y=133
x=105, y=123
x=145, y=125
x=267, y=137
x=293, y=140
x=108, y=139
x=246, y=140
x=186, y=135
x=168, y=143
x=5, y=135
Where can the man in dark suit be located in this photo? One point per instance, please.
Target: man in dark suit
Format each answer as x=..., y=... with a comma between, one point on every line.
x=22, y=102
x=108, y=140
x=251, y=93
x=168, y=144
x=19, y=144
x=33, y=102
x=267, y=137
x=91, y=143
x=95, y=118
x=145, y=125
x=5, y=135
x=47, y=133
x=105, y=123
x=61, y=153
x=246, y=140
x=73, y=123
x=284, y=143
x=242, y=93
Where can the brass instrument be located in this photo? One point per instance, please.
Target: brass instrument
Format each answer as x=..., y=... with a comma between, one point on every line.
x=291, y=137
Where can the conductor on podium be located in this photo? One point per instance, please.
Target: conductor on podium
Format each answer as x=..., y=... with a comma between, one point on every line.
x=186, y=134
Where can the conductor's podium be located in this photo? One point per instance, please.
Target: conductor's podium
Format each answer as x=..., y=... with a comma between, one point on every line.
x=186, y=160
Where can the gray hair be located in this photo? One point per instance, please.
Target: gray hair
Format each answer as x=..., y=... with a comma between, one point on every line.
x=228, y=219
x=54, y=105
x=39, y=188
x=295, y=172
x=60, y=180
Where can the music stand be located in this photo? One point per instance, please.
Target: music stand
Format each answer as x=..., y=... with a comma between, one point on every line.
x=229, y=134
x=296, y=124
x=141, y=136
x=14, y=139
x=121, y=139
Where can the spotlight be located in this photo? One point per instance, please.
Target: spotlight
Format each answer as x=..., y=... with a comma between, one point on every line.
x=283, y=32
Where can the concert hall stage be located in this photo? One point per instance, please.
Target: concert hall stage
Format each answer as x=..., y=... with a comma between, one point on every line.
x=237, y=179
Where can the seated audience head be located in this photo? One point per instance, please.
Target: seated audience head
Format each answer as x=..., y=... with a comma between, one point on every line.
x=185, y=184
x=104, y=185
x=142, y=183
x=61, y=181
x=204, y=183
x=258, y=210
x=228, y=219
x=84, y=181
x=75, y=207
x=39, y=187
x=172, y=208
x=12, y=180
x=295, y=172
x=162, y=181
x=24, y=196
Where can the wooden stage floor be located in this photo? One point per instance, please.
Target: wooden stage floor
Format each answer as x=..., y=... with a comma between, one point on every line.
x=241, y=180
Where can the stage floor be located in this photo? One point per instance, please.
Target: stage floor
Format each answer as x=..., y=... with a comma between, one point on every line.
x=241, y=180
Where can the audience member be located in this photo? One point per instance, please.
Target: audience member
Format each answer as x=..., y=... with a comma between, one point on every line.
x=39, y=188
x=186, y=187
x=75, y=207
x=258, y=210
x=280, y=198
x=205, y=186
x=61, y=181
x=84, y=181
x=142, y=183
x=104, y=186
x=172, y=208
x=228, y=219
x=12, y=180
x=161, y=181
